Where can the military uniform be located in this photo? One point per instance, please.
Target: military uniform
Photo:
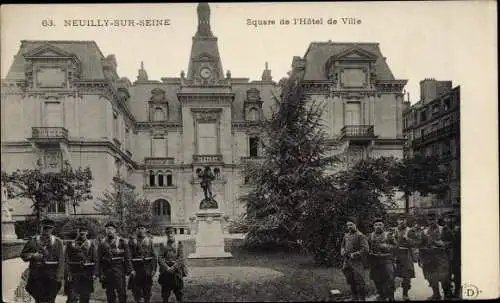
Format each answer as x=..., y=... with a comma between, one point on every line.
x=113, y=266
x=81, y=268
x=172, y=255
x=434, y=253
x=381, y=260
x=355, y=247
x=406, y=240
x=144, y=261
x=45, y=253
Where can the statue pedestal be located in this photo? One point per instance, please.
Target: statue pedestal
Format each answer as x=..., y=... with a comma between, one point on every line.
x=8, y=231
x=209, y=237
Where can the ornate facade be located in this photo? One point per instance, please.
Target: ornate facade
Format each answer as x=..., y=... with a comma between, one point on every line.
x=63, y=102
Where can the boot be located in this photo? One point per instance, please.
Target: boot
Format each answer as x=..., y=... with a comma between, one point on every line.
x=435, y=293
x=405, y=294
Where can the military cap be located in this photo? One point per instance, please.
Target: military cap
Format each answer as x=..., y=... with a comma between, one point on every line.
x=378, y=219
x=352, y=219
x=169, y=229
x=48, y=223
x=403, y=216
x=82, y=227
x=141, y=224
x=111, y=223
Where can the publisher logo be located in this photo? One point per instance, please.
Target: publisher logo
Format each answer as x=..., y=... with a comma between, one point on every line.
x=470, y=291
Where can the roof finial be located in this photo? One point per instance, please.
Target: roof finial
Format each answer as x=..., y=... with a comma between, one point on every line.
x=142, y=74
x=204, y=20
x=266, y=74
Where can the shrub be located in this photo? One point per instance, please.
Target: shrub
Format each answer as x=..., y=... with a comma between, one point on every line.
x=237, y=226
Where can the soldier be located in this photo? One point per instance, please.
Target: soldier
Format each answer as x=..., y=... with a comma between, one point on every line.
x=382, y=245
x=145, y=262
x=113, y=261
x=354, y=249
x=456, y=258
x=81, y=262
x=172, y=267
x=45, y=252
x=435, y=257
x=406, y=240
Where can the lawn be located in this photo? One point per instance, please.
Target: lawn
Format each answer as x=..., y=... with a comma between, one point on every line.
x=301, y=280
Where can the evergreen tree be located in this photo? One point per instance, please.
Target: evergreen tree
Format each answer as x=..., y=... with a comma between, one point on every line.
x=292, y=173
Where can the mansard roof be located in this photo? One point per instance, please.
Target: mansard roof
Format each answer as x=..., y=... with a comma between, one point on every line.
x=87, y=52
x=318, y=54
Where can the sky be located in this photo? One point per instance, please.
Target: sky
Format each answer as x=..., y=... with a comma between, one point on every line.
x=433, y=40
x=445, y=40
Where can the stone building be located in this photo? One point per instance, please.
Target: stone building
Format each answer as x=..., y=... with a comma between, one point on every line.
x=362, y=98
x=432, y=128
x=63, y=102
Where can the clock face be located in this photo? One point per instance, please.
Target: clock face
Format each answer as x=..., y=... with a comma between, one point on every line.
x=205, y=73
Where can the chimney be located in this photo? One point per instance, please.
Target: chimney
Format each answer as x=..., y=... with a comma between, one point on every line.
x=431, y=89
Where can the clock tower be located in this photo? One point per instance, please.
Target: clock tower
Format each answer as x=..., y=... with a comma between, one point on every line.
x=205, y=67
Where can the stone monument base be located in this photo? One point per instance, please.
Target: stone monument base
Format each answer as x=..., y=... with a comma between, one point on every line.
x=209, y=236
x=8, y=231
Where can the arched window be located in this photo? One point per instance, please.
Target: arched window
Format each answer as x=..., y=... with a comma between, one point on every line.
x=169, y=178
x=254, y=146
x=160, y=179
x=253, y=114
x=151, y=178
x=159, y=114
x=161, y=208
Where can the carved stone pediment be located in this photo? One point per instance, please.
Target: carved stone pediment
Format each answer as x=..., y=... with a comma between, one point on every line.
x=355, y=53
x=48, y=51
x=206, y=114
x=158, y=95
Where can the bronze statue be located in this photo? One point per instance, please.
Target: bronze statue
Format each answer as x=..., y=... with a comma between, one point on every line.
x=206, y=177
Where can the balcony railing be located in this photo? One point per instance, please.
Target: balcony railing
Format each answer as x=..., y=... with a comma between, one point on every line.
x=49, y=133
x=357, y=131
x=158, y=161
x=245, y=160
x=207, y=158
x=436, y=134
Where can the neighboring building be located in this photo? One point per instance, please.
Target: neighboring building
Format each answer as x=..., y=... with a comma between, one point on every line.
x=432, y=128
x=363, y=99
x=63, y=101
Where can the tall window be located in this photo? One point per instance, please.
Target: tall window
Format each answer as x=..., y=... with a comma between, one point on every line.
x=159, y=114
x=207, y=138
x=151, y=178
x=352, y=113
x=57, y=207
x=169, y=178
x=160, y=179
x=127, y=139
x=53, y=114
x=115, y=125
x=159, y=147
x=253, y=114
x=254, y=146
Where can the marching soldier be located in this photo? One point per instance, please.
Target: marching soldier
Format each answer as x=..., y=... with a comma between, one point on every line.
x=354, y=249
x=456, y=259
x=45, y=252
x=113, y=261
x=172, y=267
x=144, y=262
x=382, y=244
x=435, y=257
x=406, y=240
x=81, y=257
